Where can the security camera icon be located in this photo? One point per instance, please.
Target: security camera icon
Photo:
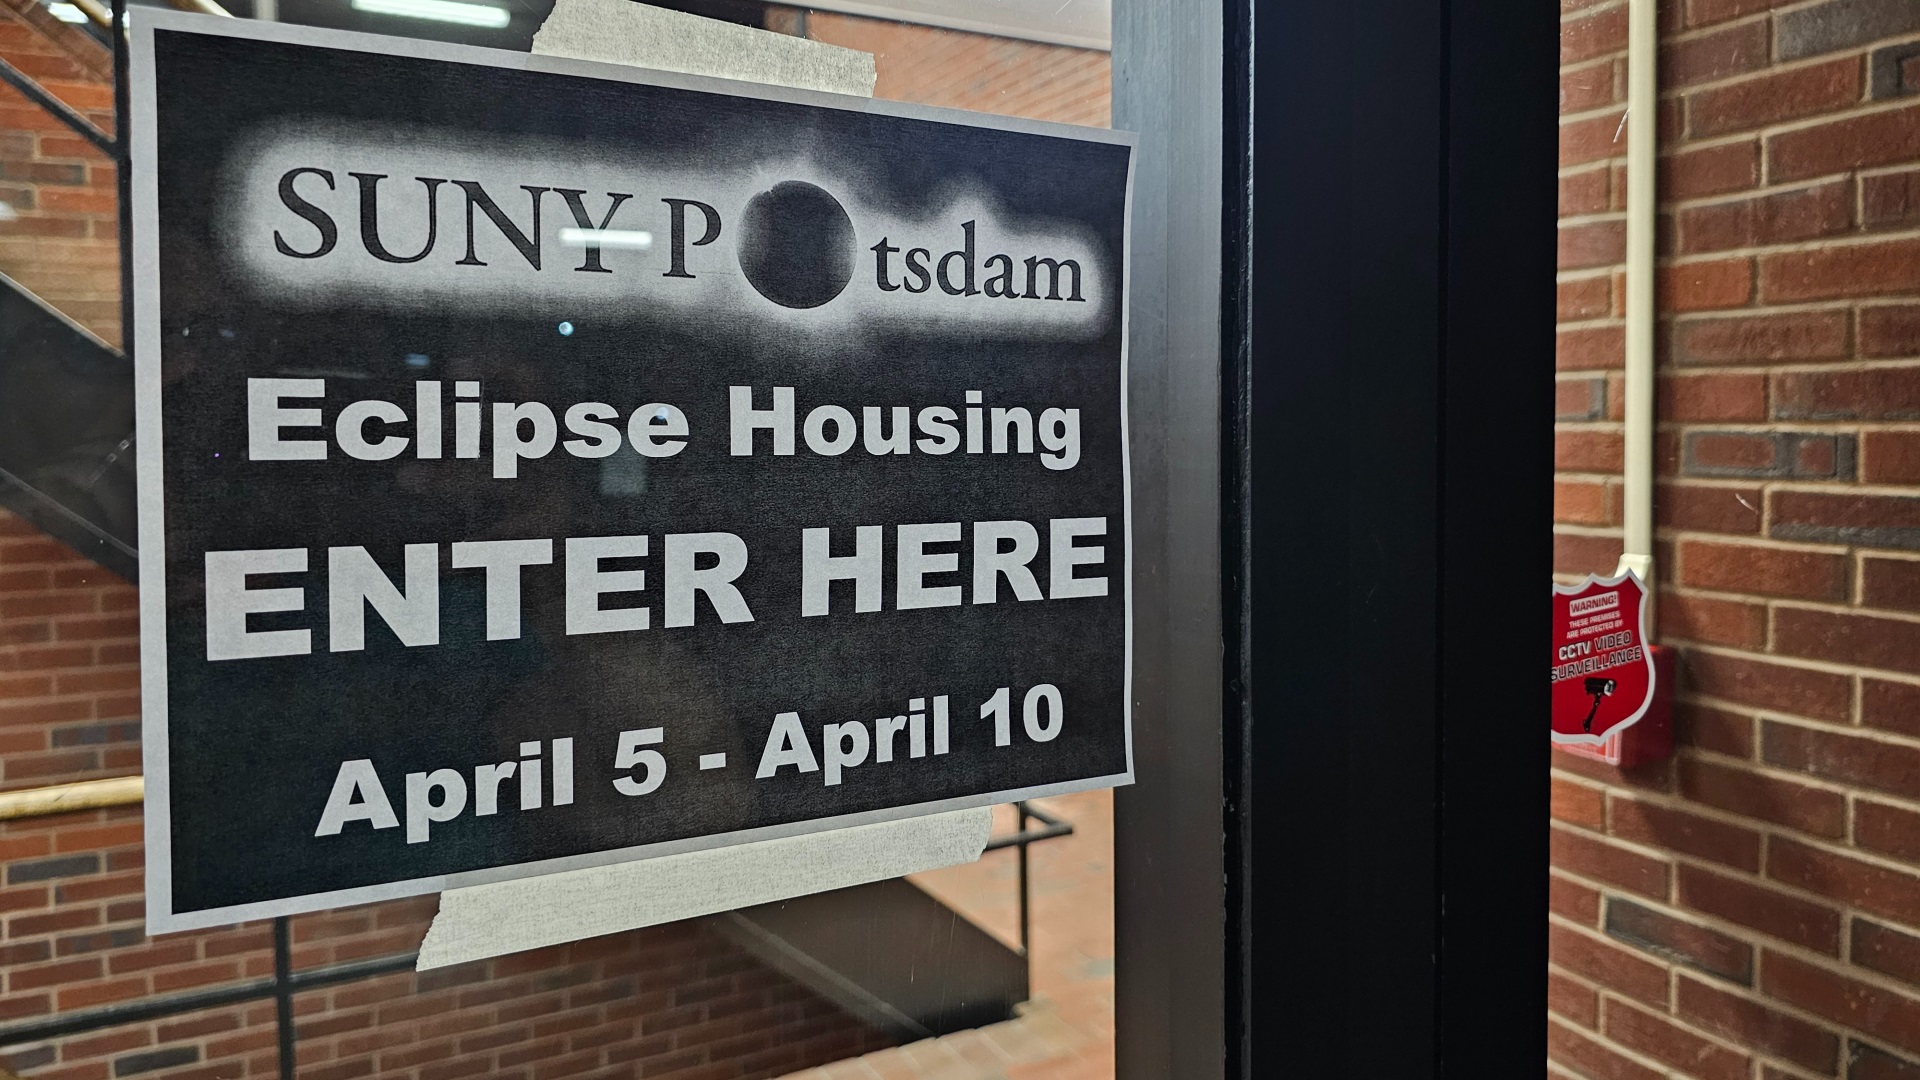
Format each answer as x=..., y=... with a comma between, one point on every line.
x=1598, y=688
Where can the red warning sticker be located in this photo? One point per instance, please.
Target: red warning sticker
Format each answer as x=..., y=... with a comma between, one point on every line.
x=1603, y=677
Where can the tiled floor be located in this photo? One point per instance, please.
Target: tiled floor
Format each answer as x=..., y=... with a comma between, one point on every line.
x=1066, y=1031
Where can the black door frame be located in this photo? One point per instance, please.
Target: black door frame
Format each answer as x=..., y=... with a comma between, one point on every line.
x=1347, y=327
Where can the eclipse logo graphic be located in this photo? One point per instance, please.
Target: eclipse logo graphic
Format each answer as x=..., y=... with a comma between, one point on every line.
x=796, y=245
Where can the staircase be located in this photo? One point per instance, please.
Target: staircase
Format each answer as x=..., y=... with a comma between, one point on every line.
x=66, y=430
x=888, y=953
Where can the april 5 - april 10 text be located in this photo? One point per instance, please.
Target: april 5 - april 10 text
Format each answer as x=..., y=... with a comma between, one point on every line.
x=545, y=773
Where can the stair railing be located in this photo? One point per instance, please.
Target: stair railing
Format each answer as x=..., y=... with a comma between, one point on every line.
x=286, y=982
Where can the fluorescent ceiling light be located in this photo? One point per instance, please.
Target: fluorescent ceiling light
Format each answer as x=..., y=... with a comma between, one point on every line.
x=607, y=238
x=67, y=13
x=437, y=10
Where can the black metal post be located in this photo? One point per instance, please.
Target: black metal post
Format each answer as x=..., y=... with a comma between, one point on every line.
x=123, y=170
x=1020, y=808
x=283, y=994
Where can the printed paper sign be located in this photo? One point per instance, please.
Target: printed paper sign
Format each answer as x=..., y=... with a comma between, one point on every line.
x=1602, y=668
x=546, y=464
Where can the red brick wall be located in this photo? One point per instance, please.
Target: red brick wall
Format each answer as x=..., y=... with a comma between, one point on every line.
x=69, y=672
x=1751, y=909
x=62, y=238
x=931, y=66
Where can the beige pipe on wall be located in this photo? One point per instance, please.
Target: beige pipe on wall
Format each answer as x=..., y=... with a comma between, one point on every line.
x=67, y=798
x=1643, y=97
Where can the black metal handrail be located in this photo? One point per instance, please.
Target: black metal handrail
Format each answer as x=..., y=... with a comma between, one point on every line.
x=1050, y=827
x=58, y=109
x=284, y=984
x=287, y=982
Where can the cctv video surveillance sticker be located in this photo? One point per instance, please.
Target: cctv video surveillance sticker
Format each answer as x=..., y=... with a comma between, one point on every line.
x=546, y=464
x=1602, y=668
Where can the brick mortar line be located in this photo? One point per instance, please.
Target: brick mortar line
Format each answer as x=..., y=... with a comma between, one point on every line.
x=1610, y=108
x=1576, y=66
x=1790, y=427
x=1832, y=608
x=1592, y=324
x=1597, y=217
x=1786, y=367
x=1767, y=542
x=58, y=697
x=1713, y=483
x=1588, y=12
x=1764, y=190
x=1694, y=697
x=1613, y=160
x=1689, y=32
x=1796, y=5
x=1846, y=241
x=1887, y=170
x=1789, y=484
x=1710, y=593
x=1864, y=107
x=1795, y=1072
x=1618, y=55
x=1802, y=307
x=1572, y=171
x=1775, y=66
x=1766, y=427
x=1673, y=148
x=1861, y=554
x=1825, y=667
x=1769, y=602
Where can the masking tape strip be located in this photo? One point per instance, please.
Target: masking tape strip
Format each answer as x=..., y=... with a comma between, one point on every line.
x=509, y=916
x=621, y=32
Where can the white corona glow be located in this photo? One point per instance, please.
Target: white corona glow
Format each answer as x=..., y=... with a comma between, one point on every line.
x=438, y=10
x=67, y=13
x=608, y=238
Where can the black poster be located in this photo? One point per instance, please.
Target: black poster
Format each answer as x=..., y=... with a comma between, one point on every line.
x=548, y=463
